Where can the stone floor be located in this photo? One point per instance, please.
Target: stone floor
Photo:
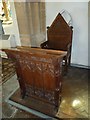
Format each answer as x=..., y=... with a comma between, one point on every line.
x=74, y=96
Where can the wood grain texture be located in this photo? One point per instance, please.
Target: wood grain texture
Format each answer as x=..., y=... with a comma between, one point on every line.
x=39, y=74
x=59, y=37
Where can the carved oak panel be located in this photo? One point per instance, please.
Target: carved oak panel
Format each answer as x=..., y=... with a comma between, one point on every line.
x=39, y=75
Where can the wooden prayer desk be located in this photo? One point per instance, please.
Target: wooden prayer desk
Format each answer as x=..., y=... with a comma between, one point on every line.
x=39, y=73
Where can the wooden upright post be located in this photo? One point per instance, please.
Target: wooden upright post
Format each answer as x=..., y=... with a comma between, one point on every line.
x=6, y=11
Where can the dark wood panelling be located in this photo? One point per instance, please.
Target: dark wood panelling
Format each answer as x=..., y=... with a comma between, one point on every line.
x=39, y=73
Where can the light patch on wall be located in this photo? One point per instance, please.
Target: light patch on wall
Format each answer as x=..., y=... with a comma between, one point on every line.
x=66, y=0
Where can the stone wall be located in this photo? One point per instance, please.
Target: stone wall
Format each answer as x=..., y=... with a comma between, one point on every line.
x=31, y=22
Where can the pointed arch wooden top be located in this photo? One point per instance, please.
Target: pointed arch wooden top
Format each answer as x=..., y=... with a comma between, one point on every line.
x=59, y=26
x=59, y=34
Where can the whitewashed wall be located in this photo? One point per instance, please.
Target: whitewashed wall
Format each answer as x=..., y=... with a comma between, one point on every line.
x=14, y=30
x=89, y=34
x=79, y=13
